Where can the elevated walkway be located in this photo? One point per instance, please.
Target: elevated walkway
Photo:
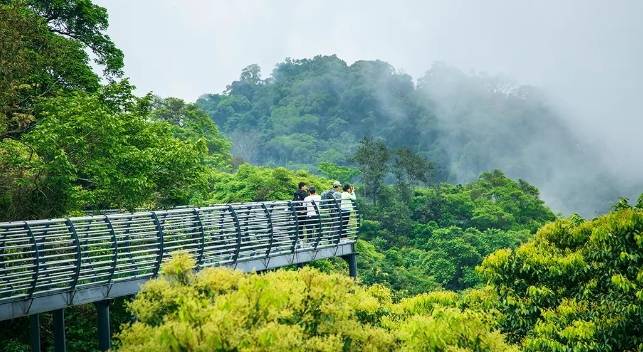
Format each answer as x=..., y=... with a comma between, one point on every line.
x=47, y=265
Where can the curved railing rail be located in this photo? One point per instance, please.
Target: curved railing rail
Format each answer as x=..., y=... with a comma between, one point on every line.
x=41, y=258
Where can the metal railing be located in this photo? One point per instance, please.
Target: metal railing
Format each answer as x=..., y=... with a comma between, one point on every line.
x=43, y=258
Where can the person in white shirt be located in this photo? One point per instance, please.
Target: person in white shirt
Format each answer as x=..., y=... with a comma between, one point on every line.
x=312, y=215
x=346, y=206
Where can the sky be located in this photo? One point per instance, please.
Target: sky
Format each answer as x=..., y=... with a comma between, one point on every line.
x=587, y=55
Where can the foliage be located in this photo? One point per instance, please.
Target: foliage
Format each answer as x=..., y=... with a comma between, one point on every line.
x=401, y=270
x=372, y=157
x=84, y=155
x=192, y=124
x=305, y=310
x=337, y=172
x=43, y=53
x=35, y=63
x=443, y=232
x=492, y=201
x=80, y=328
x=376, y=161
x=320, y=102
x=254, y=184
x=313, y=110
x=83, y=22
x=577, y=283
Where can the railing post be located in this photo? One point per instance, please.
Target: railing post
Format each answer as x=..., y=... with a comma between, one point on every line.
x=237, y=226
x=127, y=238
x=104, y=333
x=159, y=234
x=199, y=258
x=34, y=332
x=271, y=231
x=59, y=330
x=246, y=220
x=296, y=216
x=2, y=253
x=36, y=261
x=114, y=240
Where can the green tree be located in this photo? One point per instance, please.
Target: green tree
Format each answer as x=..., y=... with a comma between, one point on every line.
x=83, y=22
x=35, y=63
x=43, y=53
x=337, y=172
x=372, y=157
x=192, y=124
x=83, y=155
x=253, y=184
x=578, y=284
x=446, y=230
x=409, y=169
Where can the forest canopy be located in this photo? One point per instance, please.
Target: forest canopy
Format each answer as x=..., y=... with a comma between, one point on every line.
x=312, y=111
x=458, y=249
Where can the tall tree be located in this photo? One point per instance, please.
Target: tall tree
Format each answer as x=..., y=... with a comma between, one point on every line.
x=43, y=51
x=372, y=157
x=410, y=169
x=82, y=22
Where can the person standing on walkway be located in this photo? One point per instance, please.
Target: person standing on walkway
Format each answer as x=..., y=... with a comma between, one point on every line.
x=312, y=203
x=346, y=206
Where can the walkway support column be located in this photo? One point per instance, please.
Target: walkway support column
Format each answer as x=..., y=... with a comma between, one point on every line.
x=59, y=330
x=104, y=333
x=351, y=259
x=34, y=332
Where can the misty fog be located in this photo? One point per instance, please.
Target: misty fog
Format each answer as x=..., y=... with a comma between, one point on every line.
x=583, y=57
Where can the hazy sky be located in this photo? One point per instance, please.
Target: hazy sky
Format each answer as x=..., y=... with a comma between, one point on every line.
x=587, y=55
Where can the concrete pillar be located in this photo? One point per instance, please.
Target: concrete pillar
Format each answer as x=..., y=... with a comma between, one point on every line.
x=351, y=259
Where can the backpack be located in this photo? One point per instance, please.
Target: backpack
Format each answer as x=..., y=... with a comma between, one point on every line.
x=326, y=198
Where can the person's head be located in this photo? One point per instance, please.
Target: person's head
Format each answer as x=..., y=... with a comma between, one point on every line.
x=302, y=185
x=347, y=187
x=312, y=190
x=337, y=185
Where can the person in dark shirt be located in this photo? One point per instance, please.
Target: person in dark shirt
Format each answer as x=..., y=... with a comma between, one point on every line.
x=302, y=192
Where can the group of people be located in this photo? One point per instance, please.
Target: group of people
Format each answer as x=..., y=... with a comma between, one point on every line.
x=311, y=202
